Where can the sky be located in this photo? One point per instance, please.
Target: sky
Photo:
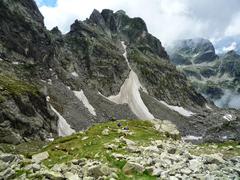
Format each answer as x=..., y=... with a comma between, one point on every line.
x=168, y=20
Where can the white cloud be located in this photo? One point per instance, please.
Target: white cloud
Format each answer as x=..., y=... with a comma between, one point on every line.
x=168, y=20
x=234, y=27
x=231, y=47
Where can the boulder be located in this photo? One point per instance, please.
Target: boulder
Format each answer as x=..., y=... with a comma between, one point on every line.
x=37, y=158
x=195, y=165
x=71, y=176
x=105, y=132
x=51, y=174
x=131, y=167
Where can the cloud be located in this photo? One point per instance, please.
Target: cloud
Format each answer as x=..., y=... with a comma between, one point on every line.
x=230, y=99
x=231, y=47
x=234, y=27
x=168, y=20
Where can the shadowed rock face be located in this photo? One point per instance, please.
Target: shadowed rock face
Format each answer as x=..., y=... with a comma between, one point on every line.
x=88, y=59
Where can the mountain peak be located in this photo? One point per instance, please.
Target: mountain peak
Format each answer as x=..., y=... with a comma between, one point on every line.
x=192, y=51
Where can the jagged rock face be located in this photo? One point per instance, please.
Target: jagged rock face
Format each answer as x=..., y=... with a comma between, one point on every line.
x=22, y=28
x=24, y=112
x=192, y=51
x=89, y=60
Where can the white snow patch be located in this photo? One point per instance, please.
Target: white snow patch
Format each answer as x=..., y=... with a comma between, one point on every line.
x=69, y=87
x=178, y=109
x=81, y=96
x=1, y=59
x=125, y=53
x=129, y=94
x=206, y=105
x=43, y=81
x=228, y=117
x=50, y=69
x=190, y=137
x=102, y=95
x=47, y=98
x=64, y=129
x=15, y=63
x=49, y=81
x=50, y=139
x=224, y=137
x=74, y=74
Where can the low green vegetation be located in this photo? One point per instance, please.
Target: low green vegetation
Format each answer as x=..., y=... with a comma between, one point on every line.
x=12, y=86
x=91, y=144
x=94, y=144
x=27, y=149
x=228, y=149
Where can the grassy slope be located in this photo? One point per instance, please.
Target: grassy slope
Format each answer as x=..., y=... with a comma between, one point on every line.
x=62, y=150
x=73, y=147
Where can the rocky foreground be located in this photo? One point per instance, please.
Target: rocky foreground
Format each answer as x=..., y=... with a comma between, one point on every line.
x=121, y=150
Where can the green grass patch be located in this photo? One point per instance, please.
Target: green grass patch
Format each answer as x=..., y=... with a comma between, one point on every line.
x=14, y=86
x=228, y=149
x=62, y=150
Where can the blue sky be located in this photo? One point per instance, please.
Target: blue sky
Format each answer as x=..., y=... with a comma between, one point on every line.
x=50, y=3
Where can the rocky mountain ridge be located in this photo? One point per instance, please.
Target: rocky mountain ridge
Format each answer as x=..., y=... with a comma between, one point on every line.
x=72, y=77
x=216, y=77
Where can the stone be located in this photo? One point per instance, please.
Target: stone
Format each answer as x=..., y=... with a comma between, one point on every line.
x=156, y=172
x=173, y=178
x=88, y=178
x=195, y=165
x=172, y=150
x=186, y=171
x=152, y=149
x=113, y=175
x=51, y=174
x=7, y=157
x=105, y=132
x=3, y=165
x=36, y=167
x=95, y=171
x=118, y=156
x=212, y=167
x=128, y=142
x=84, y=138
x=167, y=127
x=37, y=158
x=59, y=167
x=214, y=159
x=106, y=170
x=71, y=176
x=133, y=149
x=131, y=167
x=111, y=146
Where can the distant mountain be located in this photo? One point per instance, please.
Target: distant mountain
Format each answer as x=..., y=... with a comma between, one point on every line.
x=227, y=43
x=217, y=78
x=192, y=51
